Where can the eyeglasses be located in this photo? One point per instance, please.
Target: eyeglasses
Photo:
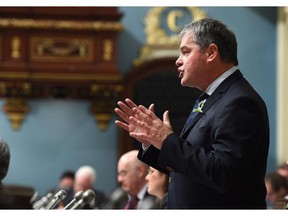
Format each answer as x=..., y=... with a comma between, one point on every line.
x=123, y=173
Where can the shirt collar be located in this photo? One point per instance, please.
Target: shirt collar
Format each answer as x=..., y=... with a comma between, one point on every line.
x=142, y=192
x=211, y=88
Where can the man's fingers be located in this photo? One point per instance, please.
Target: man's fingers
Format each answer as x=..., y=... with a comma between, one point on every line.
x=130, y=103
x=123, y=115
x=166, y=118
x=144, y=113
x=152, y=108
x=122, y=125
x=125, y=108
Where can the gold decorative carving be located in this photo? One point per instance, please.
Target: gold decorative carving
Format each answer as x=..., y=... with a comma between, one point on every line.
x=15, y=45
x=105, y=98
x=158, y=42
x=59, y=76
x=50, y=54
x=16, y=109
x=171, y=20
x=59, y=49
x=12, y=89
x=60, y=24
x=107, y=49
x=15, y=106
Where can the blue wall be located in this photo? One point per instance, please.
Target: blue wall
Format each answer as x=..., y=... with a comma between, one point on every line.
x=62, y=134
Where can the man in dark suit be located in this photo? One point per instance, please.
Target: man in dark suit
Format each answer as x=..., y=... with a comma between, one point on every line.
x=219, y=160
x=85, y=179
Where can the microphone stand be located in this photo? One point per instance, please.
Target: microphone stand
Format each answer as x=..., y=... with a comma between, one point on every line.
x=57, y=198
x=77, y=197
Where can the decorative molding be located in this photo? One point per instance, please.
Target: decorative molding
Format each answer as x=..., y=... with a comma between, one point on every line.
x=59, y=49
x=105, y=99
x=16, y=109
x=107, y=49
x=70, y=56
x=14, y=89
x=59, y=76
x=15, y=47
x=60, y=24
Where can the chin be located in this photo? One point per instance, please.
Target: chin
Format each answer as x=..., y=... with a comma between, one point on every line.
x=183, y=82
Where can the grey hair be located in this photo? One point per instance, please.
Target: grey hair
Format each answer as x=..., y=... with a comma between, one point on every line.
x=206, y=31
x=87, y=171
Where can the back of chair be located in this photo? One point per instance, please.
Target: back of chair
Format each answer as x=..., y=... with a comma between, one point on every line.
x=16, y=197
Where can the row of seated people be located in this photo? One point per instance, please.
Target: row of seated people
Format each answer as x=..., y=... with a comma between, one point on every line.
x=136, y=180
x=141, y=187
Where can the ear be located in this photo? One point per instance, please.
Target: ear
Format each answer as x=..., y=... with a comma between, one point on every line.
x=212, y=52
x=142, y=171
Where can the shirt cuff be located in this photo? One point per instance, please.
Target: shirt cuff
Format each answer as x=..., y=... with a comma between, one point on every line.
x=145, y=148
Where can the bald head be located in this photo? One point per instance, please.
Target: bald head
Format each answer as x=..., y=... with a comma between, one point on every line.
x=131, y=172
x=130, y=158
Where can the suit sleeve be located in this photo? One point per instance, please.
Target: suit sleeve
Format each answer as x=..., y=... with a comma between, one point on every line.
x=150, y=157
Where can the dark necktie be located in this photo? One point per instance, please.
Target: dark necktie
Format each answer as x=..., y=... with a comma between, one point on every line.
x=196, y=109
x=132, y=203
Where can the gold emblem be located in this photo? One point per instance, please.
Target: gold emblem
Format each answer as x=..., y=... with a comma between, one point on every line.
x=163, y=25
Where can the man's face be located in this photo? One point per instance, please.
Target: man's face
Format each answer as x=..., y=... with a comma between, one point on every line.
x=191, y=63
x=128, y=177
x=66, y=183
x=82, y=183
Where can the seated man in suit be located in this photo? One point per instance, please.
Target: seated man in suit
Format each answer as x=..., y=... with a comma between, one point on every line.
x=85, y=177
x=132, y=179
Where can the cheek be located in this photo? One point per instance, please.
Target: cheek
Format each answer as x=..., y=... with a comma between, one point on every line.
x=155, y=181
x=192, y=63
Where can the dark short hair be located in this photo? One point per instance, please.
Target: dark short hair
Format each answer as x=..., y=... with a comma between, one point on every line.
x=68, y=174
x=277, y=181
x=4, y=159
x=207, y=30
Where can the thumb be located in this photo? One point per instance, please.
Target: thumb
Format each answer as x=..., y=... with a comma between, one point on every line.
x=166, y=118
x=152, y=108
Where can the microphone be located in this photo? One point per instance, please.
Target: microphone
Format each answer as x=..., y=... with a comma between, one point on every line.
x=34, y=197
x=41, y=203
x=117, y=199
x=87, y=197
x=77, y=197
x=60, y=195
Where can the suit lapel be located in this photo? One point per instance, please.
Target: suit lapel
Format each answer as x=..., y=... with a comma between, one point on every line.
x=217, y=94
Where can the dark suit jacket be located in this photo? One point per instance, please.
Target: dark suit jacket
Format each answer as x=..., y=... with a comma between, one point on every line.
x=220, y=161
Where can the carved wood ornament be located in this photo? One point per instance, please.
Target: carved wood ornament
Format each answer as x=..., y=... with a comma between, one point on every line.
x=59, y=52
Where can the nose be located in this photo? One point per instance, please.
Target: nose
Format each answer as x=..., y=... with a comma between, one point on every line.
x=120, y=179
x=147, y=177
x=179, y=62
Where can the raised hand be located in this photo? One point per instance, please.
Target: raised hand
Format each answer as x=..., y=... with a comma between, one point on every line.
x=142, y=124
x=125, y=112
